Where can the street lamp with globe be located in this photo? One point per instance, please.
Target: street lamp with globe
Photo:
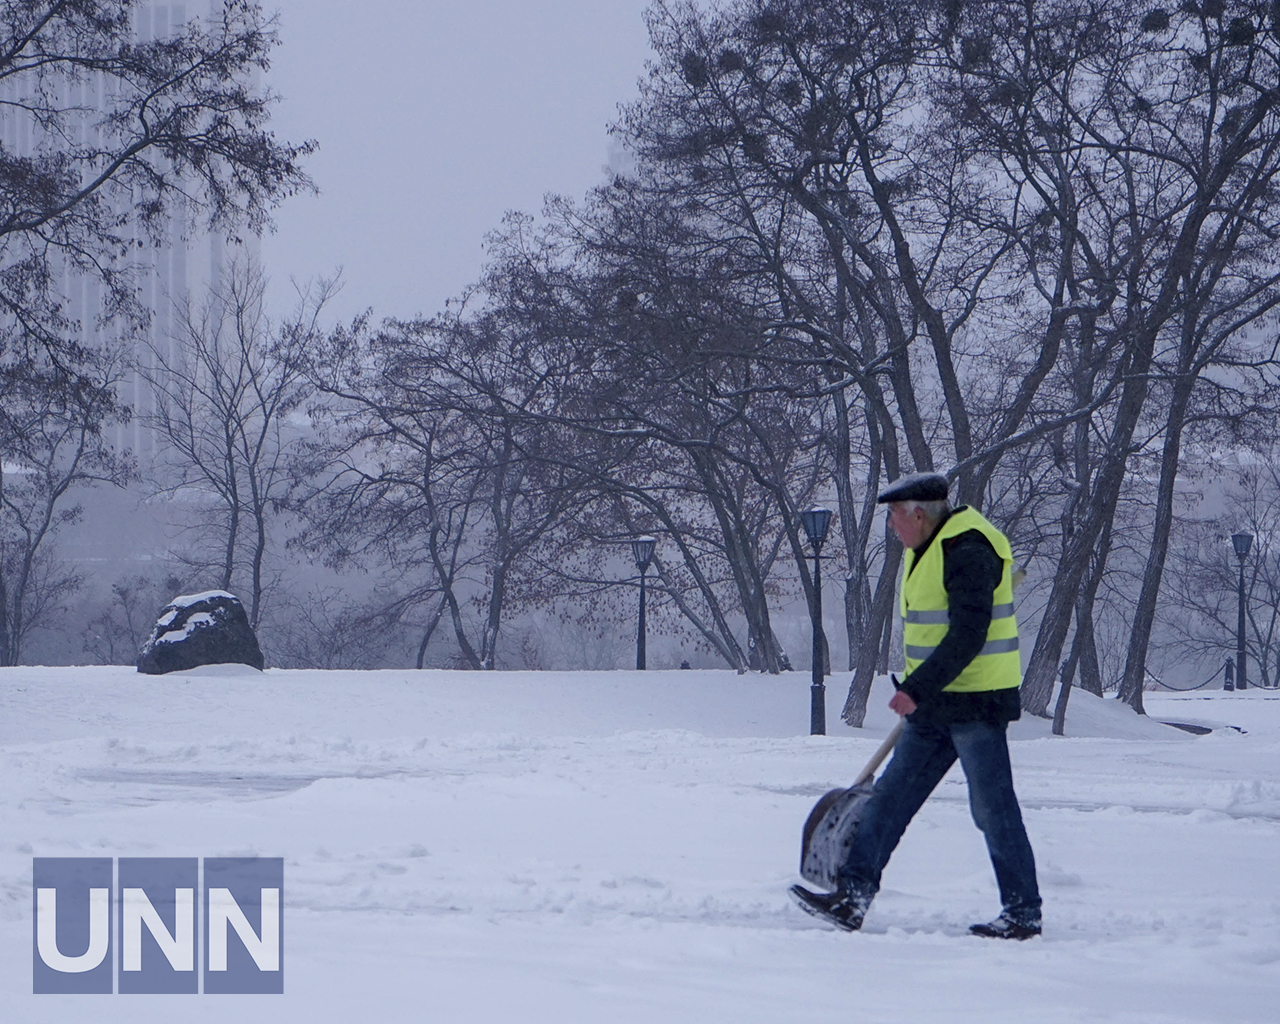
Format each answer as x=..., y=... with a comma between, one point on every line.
x=642, y=550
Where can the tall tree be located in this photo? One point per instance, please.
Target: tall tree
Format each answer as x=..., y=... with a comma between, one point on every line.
x=227, y=407
x=817, y=137
x=673, y=366
x=1149, y=140
x=433, y=460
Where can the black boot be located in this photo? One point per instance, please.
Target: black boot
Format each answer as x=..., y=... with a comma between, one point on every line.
x=841, y=908
x=1006, y=928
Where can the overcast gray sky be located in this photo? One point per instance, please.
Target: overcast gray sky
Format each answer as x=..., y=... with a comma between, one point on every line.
x=434, y=117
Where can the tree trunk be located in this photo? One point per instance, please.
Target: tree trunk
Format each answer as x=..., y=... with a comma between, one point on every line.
x=765, y=654
x=259, y=554
x=855, y=589
x=431, y=628
x=229, y=555
x=1131, y=685
x=1099, y=510
x=855, y=704
x=445, y=575
x=6, y=632
x=1064, y=692
x=1090, y=670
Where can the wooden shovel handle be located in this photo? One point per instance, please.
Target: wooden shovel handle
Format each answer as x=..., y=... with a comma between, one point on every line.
x=878, y=757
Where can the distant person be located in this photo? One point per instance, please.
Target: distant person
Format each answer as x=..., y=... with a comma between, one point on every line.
x=959, y=694
x=685, y=664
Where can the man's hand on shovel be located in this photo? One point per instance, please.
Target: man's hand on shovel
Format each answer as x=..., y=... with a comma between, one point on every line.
x=901, y=703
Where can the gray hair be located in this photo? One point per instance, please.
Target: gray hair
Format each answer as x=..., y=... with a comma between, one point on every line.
x=934, y=511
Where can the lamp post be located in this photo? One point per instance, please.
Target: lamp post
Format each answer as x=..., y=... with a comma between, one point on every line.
x=1241, y=542
x=642, y=549
x=816, y=521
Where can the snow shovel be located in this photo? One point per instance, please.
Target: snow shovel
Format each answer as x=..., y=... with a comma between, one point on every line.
x=828, y=831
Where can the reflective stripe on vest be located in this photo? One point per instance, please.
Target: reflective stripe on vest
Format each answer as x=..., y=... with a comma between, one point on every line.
x=990, y=647
x=999, y=611
x=923, y=603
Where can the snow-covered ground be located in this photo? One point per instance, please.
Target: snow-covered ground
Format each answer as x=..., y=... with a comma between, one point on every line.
x=616, y=847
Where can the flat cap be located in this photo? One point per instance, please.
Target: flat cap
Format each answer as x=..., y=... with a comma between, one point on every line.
x=915, y=487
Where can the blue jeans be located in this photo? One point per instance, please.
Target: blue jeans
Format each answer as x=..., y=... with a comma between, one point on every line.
x=920, y=760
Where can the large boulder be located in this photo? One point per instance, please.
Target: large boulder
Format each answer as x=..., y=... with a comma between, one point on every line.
x=200, y=629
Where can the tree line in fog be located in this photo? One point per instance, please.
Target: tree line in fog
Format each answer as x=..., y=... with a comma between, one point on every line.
x=1031, y=245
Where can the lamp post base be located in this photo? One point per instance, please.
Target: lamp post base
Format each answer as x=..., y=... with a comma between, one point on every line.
x=817, y=709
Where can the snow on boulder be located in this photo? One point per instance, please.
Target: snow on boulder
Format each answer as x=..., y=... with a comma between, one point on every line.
x=200, y=629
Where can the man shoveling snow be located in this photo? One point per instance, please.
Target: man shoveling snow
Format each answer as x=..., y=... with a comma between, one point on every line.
x=959, y=695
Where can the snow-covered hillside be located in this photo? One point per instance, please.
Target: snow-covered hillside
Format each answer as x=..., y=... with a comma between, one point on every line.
x=616, y=847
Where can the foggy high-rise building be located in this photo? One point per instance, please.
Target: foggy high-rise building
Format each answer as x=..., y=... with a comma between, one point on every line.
x=171, y=266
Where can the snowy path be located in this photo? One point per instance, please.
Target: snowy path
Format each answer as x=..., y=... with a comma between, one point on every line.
x=614, y=847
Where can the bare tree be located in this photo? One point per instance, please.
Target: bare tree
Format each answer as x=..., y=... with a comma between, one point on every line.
x=330, y=628
x=823, y=139
x=52, y=447
x=122, y=136
x=228, y=409
x=1151, y=142
x=434, y=463
x=677, y=401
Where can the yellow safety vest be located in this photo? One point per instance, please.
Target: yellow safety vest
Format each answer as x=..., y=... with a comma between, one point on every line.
x=923, y=603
